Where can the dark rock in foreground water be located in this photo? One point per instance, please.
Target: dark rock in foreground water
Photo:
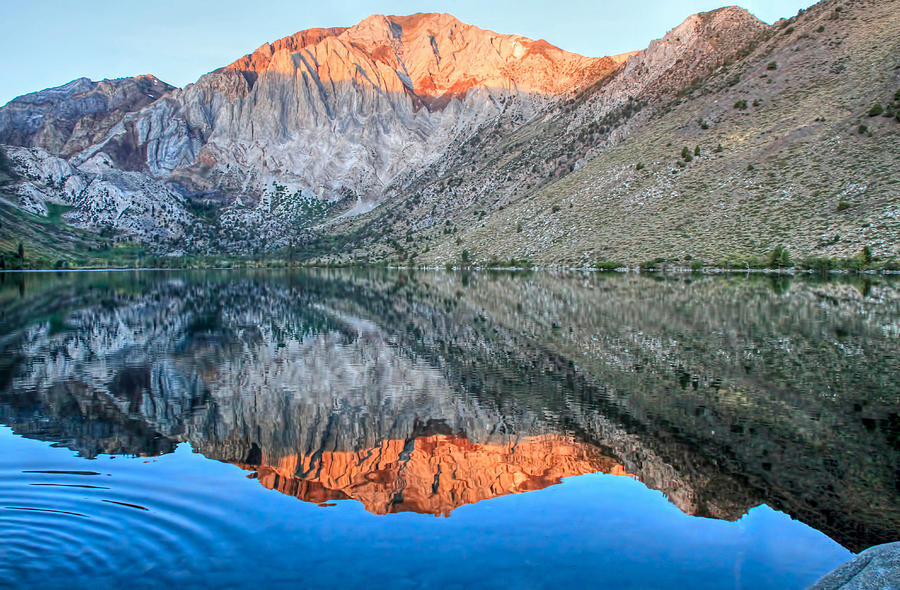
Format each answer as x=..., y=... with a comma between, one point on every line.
x=877, y=567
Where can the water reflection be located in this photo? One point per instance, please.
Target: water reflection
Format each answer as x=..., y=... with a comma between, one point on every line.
x=432, y=474
x=424, y=392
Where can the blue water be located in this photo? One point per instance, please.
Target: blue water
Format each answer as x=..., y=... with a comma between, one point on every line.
x=302, y=429
x=207, y=524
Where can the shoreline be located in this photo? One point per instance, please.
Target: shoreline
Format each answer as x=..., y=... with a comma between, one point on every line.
x=475, y=268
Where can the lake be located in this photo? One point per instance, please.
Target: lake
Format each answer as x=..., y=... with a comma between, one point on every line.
x=369, y=427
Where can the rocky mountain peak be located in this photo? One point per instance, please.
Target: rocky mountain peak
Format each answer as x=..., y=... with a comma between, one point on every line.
x=433, y=56
x=68, y=118
x=720, y=31
x=701, y=43
x=254, y=63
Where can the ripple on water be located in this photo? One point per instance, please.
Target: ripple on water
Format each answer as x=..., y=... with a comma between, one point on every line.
x=60, y=525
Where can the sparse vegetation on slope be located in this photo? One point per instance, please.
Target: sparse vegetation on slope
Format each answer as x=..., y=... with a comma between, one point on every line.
x=790, y=172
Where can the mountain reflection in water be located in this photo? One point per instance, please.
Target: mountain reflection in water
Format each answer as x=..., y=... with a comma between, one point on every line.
x=424, y=392
x=432, y=474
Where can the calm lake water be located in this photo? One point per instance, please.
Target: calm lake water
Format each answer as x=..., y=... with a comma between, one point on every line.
x=372, y=428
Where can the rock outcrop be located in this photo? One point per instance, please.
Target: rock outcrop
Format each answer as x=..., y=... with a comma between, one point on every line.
x=98, y=196
x=67, y=119
x=876, y=567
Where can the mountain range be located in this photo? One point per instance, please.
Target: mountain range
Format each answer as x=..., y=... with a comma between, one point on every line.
x=424, y=140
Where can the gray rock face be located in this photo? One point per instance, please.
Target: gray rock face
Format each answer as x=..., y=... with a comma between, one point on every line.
x=692, y=49
x=100, y=195
x=346, y=110
x=875, y=568
x=69, y=118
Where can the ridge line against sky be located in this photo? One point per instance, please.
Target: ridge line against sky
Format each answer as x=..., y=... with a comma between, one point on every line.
x=52, y=42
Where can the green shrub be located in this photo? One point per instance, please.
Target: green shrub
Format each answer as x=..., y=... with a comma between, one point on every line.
x=639, y=166
x=816, y=263
x=733, y=262
x=750, y=168
x=719, y=149
x=780, y=257
x=772, y=65
x=519, y=228
x=789, y=30
x=607, y=265
x=876, y=110
x=821, y=29
x=866, y=256
x=555, y=209
x=849, y=263
x=863, y=130
x=843, y=205
x=703, y=124
x=697, y=151
x=740, y=105
x=756, y=262
x=696, y=265
x=686, y=154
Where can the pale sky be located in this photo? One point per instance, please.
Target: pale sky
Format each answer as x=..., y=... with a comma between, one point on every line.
x=50, y=42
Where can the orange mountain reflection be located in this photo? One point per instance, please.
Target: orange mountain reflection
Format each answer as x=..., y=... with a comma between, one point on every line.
x=432, y=474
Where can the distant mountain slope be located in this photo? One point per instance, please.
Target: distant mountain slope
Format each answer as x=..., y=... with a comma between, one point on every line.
x=795, y=167
x=509, y=162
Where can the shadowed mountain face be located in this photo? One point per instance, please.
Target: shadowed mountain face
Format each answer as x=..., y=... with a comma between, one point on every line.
x=426, y=392
x=69, y=118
